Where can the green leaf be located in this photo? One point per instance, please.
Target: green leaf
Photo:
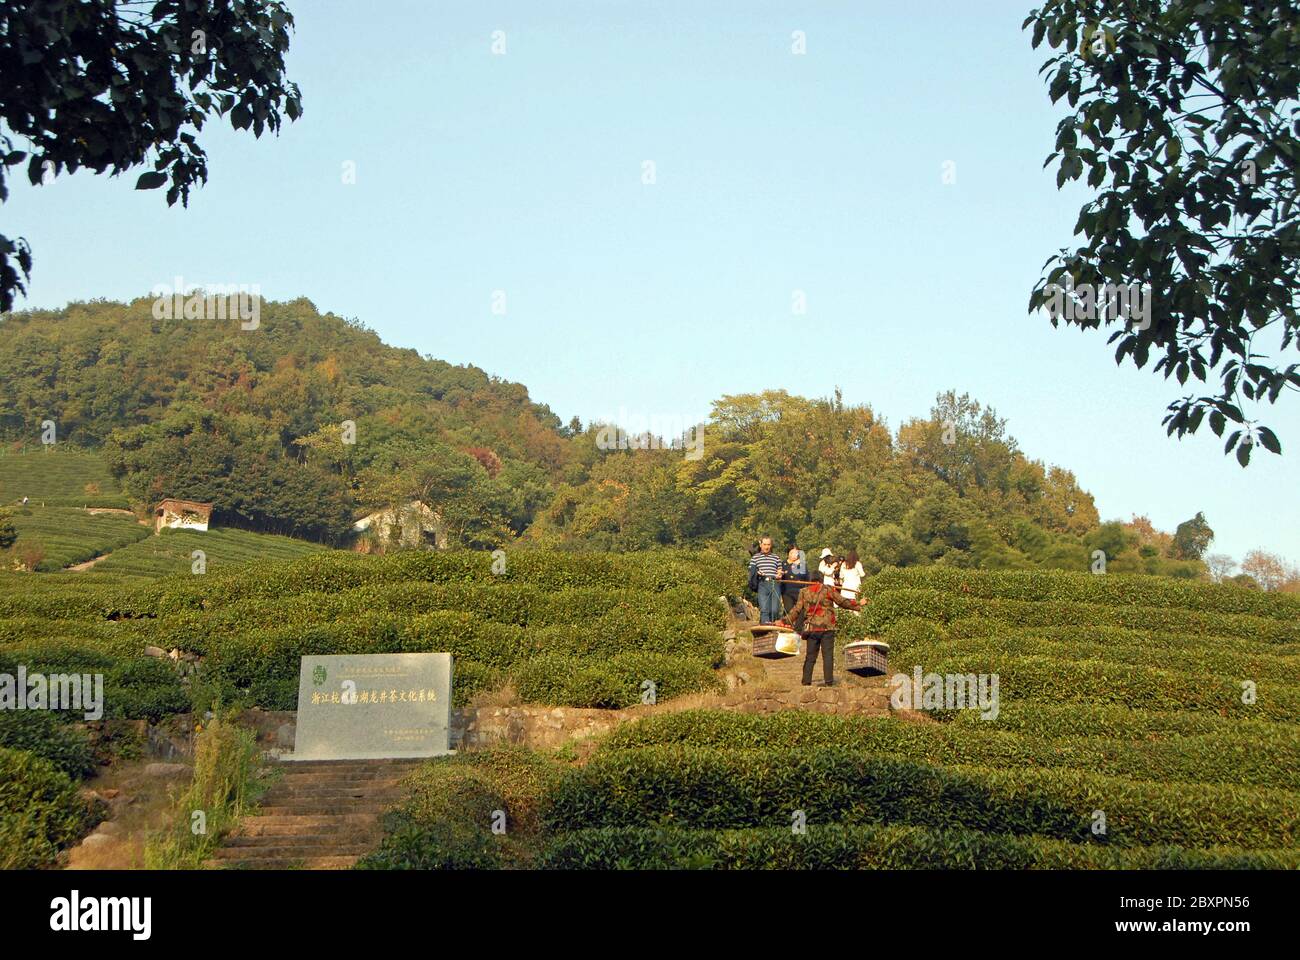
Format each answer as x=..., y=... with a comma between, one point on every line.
x=1269, y=440
x=151, y=180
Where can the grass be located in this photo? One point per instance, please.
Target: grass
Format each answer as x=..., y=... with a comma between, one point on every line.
x=227, y=782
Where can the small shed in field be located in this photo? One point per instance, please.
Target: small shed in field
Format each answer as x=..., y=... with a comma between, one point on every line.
x=410, y=525
x=181, y=515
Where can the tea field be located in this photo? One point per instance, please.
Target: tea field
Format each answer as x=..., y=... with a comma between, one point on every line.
x=571, y=629
x=1141, y=722
x=58, y=476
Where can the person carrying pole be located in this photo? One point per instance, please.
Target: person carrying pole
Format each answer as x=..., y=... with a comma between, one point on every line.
x=814, y=617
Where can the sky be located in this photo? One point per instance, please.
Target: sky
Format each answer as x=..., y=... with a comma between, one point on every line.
x=498, y=154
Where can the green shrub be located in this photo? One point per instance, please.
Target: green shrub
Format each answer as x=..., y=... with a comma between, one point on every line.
x=1192, y=655
x=1110, y=590
x=912, y=632
x=886, y=607
x=710, y=788
x=42, y=733
x=1268, y=757
x=1098, y=682
x=143, y=688
x=41, y=811
x=446, y=820
x=1042, y=720
x=874, y=847
x=614, y=683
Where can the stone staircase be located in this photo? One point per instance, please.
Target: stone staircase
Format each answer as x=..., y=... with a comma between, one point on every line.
x=320, y=815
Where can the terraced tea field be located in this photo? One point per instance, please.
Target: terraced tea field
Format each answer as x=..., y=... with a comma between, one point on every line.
x=1139, y=721
x=224, y=549
x=1142, y=723
x=71, y=535
x=58, y=476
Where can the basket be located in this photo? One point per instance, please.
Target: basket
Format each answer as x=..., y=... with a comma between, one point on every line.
x=774, y=643
x=868, y=658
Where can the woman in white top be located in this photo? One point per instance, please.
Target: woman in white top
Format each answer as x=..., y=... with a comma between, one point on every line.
x=826, y=568
x=851, y=574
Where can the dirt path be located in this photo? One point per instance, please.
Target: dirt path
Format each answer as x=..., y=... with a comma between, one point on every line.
x=139, y=797
x=78, y=567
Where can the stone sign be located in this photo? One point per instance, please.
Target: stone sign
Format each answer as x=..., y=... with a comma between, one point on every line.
x=373, y=706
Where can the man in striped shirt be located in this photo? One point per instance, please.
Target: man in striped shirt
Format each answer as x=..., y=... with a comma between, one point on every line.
x=766, y=567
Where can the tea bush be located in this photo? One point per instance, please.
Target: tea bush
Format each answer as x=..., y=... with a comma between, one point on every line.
x=446, y=820
x=42, y=733
x=875, y=847
x=41, y=811
x=710, y=788
x=619, y=681
x=1109, y=590
x=1267, y=756
x=886, y=607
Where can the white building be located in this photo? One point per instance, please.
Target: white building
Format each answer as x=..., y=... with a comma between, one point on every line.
x=181, y=515
x=407, y=526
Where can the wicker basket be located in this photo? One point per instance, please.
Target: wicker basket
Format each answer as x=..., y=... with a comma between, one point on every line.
x=869, y=658
x=770, y=641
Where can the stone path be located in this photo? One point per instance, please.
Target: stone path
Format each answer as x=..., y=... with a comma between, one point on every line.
x=775, y=684
x=321, y=815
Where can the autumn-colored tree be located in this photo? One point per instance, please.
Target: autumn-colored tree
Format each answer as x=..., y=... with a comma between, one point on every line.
x=1269, y=570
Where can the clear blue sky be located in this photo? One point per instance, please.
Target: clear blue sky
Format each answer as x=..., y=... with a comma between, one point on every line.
x=775, y=172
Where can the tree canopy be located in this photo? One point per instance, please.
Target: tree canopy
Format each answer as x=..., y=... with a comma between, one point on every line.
x=108, y=85
x=1185, y=118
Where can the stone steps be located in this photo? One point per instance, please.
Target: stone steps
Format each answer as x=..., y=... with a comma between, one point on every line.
x=383, y=791
x=261, y=827
x=309, y=847
x=324, y=808
x=307, y=863
x=320, y=815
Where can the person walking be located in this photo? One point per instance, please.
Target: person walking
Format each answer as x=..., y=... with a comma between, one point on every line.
x=796, y=568
x=851, y=575
x=765, y=569
x=814, y=617
x=829, y=568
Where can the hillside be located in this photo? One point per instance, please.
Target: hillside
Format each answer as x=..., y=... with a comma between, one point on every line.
x=58, y=476
x=309, y=421
x=254, y=420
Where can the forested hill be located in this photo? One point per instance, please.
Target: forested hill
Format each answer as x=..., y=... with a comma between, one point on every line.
x=304, y=423
x=253, y=419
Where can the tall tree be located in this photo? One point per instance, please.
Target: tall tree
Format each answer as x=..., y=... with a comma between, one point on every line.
x=1192, y=538
x=109, y=85
x=1185, y=118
